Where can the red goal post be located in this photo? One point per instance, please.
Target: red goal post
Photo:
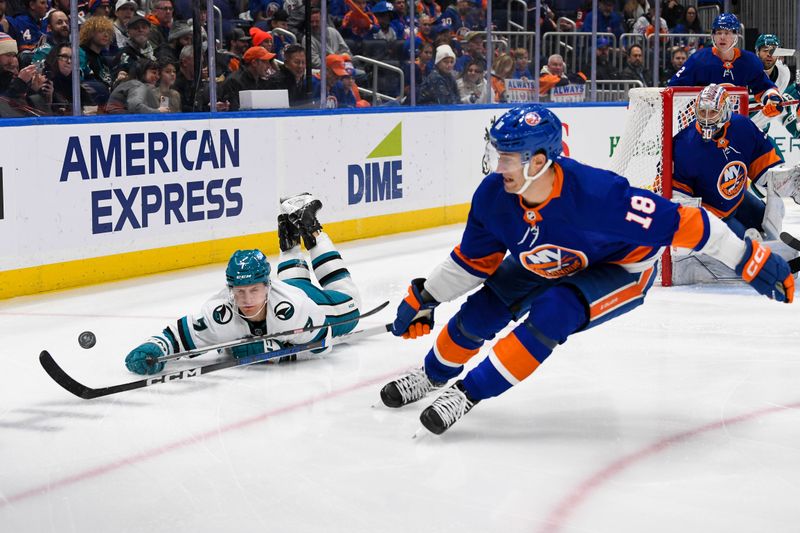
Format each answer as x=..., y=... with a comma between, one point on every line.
x=643, y=154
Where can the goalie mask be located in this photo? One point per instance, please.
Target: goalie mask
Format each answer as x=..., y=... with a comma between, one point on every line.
x=712, y=110
x=525, y=130
x=247, y=277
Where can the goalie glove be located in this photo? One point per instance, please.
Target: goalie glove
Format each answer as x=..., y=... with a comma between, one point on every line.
x=415, y=313
x=256, y=348
x=767, y=273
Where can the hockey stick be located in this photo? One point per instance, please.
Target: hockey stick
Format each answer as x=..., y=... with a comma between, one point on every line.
x=248, y=340
x=88, y=393
x=794, y=242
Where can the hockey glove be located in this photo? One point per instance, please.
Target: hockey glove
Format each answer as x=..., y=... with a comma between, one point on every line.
x=141, y=360
x=415, y=313
x=256, y=348
x=766, y=272
x=773, y=106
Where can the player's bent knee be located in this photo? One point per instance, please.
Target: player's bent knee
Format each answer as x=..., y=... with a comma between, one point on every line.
x=483, y=315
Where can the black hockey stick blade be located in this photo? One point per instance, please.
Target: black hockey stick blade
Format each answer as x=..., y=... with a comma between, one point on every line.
x=790, y=240
x=794, y=265
x=87, y=393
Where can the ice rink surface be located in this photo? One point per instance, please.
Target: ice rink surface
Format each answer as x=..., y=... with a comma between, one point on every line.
x=683, y=415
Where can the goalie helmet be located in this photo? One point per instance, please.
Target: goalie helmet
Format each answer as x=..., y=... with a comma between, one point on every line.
x=247, y=267
x=712, y=110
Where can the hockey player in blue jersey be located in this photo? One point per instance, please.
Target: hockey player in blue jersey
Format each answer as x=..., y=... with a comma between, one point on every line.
x=726, y=64
x=717, y=155
x=582, y=246
x=253, y=305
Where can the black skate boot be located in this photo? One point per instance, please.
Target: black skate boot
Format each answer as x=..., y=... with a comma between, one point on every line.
x=445, y=410
x=288, y=233
x=409, y=388
x=302, y=211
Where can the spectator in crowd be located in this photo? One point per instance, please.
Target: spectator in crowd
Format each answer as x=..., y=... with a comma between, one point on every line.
x=677, y=59
x=672, y=11
x=423, y=54
x=238, y=45
x=384, y=12
x=634, y=69
x=27, y=27
x=96, y=35
x=180, y=35
x=645, y=25
x=552, y=74
x=99, y=8
x=430, y=8
x=251, y=77
x=58, y=69
x=58, y=33
x=5, y=25
x=261, y=38
x=161, y=19
x=292, y=76
x=503, y=68
x=123, y=12
x=339, y=93
x=359, y=22
x=608, y=20
x=138, y=93
x=461, y=15
x=194, y=97
x=521, y=65
x=690, y=23
x=168, y=97
x=278, y=21
x=473, y=49
x=400, y=21
x=472, y=86
x=635, y=8
x=440, y=86
x=137, y=47
x=334, y=44
x=547, y=19
x=605, y=68
x=425, y=30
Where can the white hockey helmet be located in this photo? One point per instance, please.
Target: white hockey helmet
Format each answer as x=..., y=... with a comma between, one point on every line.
x=712, y=110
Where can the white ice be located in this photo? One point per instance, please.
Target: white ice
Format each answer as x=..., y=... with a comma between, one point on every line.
x=683, y=415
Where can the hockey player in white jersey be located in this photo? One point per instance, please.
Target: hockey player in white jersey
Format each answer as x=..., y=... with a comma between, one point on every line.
x=252, y=304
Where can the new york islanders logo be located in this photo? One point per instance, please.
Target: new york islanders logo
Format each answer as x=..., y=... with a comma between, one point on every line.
x=732, y=179
x=550, y=261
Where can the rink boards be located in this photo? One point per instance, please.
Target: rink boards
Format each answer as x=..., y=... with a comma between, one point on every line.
x=96, y=199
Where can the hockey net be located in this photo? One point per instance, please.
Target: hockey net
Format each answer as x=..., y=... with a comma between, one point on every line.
x=643, y=154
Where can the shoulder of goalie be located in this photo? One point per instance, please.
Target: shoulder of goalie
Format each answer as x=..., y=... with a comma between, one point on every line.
x=767, y=273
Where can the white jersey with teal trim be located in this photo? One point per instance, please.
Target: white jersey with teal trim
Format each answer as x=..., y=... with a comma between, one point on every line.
x=288, y=308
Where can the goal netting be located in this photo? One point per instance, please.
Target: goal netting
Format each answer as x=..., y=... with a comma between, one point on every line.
x=643, y=154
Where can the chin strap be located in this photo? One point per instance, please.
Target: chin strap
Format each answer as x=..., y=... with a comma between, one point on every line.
x=731, y=47
x=531, y=179
x=248, y=317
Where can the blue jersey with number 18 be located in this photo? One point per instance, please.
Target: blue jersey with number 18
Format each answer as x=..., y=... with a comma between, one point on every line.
x=591, y=217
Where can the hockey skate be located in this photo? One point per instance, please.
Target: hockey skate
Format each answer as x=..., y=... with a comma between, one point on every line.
x=301, y=210
x=407, y=389
x=447, y=409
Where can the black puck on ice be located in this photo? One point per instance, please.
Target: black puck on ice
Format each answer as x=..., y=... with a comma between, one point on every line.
x=87, y=339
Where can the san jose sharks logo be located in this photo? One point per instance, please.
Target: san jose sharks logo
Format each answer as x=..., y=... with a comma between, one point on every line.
x=550, y=261
x=732, y=179
x=284, y=310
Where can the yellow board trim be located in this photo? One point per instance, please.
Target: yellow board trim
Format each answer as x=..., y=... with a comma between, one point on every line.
x=94, y=270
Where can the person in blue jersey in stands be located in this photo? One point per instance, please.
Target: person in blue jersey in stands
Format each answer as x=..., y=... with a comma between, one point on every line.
x=725, y=64
x=582, y=246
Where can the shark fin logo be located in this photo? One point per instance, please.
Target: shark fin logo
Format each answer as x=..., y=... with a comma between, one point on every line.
x=380, y=177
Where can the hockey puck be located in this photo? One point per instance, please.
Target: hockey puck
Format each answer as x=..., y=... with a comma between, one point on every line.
x=87, y=339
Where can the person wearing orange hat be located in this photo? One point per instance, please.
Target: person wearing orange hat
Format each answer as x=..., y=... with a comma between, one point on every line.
x=261, y=38
x=256, y=64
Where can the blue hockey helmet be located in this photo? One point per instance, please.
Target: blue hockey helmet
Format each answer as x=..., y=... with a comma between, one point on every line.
x=247, y=267
x=726, y=21
x=528, y=130
x=767, y=40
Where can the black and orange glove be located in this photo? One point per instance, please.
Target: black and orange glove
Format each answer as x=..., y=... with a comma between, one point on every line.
x=415, y=313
